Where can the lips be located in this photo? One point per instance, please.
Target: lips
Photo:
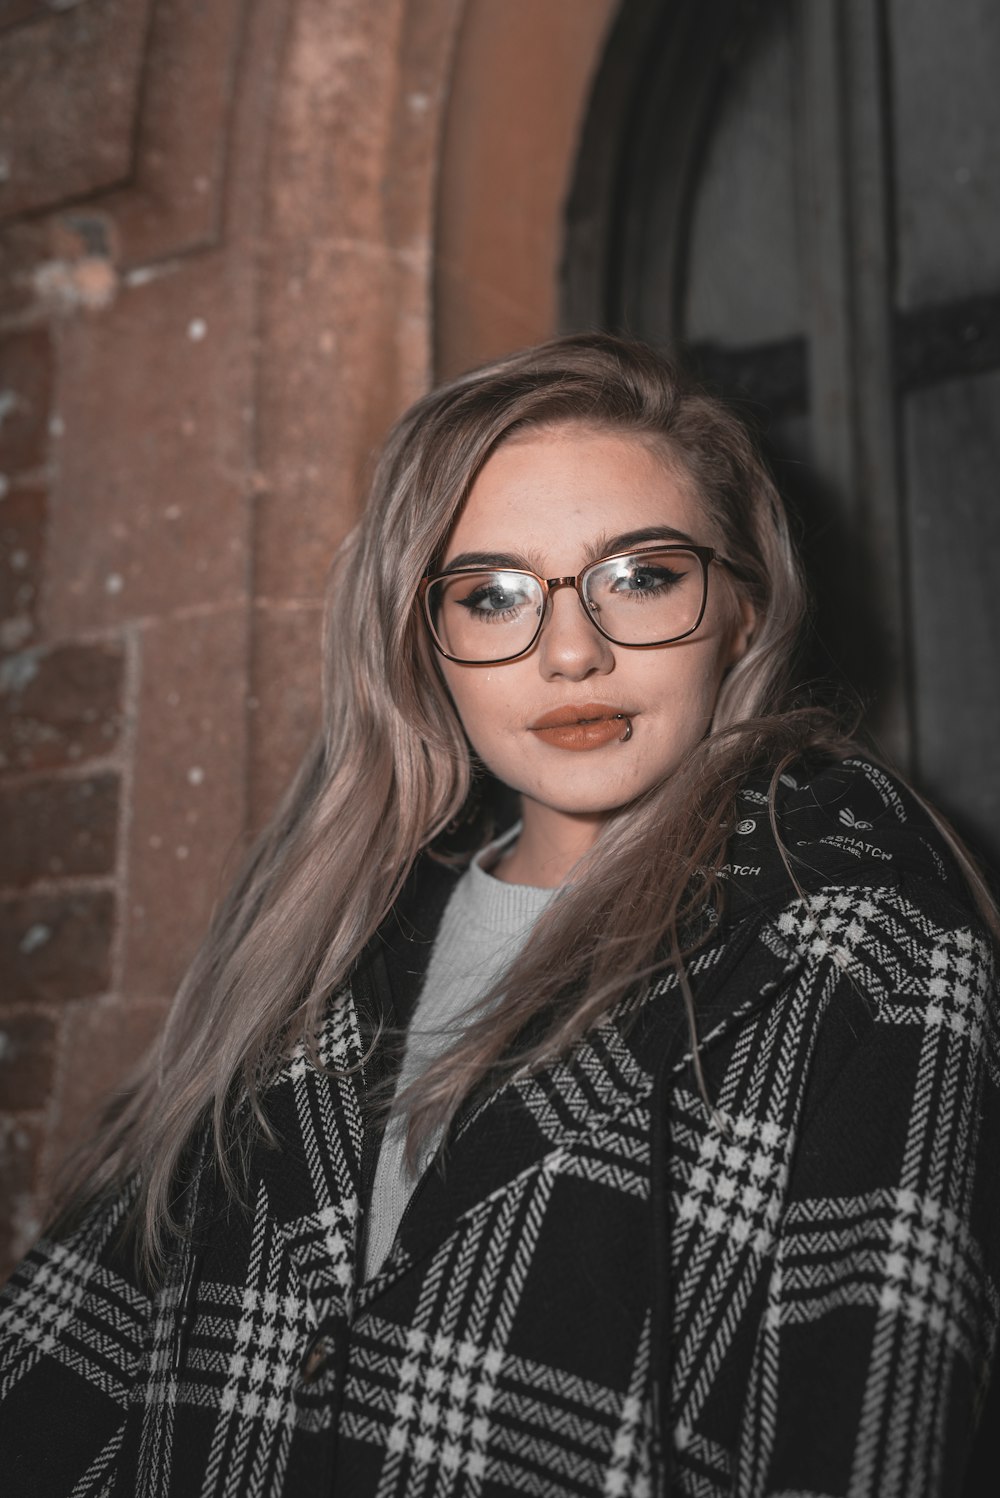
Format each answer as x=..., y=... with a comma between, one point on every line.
x=586, y=725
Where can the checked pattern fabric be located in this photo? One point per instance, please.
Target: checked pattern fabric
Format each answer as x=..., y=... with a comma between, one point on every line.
x=601, y=1291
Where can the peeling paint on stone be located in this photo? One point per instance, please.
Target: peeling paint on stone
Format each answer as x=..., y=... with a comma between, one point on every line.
x=18, y=671
x=36, y=936
x=142, y=275
x=65, y=285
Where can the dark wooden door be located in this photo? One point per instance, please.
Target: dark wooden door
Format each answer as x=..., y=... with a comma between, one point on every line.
x=804, y=196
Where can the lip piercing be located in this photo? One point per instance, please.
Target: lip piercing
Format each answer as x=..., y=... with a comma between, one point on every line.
x=628, y=727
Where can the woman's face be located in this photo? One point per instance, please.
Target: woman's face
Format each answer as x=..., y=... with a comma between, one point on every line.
x=552, y=500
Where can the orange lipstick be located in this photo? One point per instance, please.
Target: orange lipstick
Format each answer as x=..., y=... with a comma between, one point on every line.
x=588, y=725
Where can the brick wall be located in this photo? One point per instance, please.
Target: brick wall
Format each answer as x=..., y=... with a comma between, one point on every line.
x=214, y=284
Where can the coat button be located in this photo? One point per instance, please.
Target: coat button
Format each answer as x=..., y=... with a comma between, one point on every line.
x=314, y=1362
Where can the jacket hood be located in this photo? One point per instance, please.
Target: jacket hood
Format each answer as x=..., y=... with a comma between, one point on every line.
x=847, y=822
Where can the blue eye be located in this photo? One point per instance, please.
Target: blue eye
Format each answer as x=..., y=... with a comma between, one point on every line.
x=495, y=601
x=648, y=578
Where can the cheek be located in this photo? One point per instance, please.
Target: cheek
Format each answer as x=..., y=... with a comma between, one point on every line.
x=479, y=700
x=686, y=677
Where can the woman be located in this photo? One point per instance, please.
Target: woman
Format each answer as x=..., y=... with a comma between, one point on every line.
x=648, y=1149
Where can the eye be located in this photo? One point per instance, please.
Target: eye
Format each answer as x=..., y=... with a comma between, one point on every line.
x=497, y=598
x=637, y=578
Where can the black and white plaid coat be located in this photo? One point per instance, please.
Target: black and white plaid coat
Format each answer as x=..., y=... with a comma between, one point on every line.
x=815, y=1276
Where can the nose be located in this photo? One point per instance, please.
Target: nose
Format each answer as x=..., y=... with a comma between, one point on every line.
x=569, y=644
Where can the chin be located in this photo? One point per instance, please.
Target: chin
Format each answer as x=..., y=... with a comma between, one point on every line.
x=599, y=803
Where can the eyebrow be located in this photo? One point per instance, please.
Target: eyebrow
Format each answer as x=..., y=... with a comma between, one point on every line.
x=601, y=546
x=607, y=546
x=491, y=559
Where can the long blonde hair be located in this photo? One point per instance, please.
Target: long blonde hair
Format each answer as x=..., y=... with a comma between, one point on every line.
x=390, y=770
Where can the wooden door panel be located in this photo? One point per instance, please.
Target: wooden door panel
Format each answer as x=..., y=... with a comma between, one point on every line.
x=952, y=453
x=803, y=196
x=945, y=99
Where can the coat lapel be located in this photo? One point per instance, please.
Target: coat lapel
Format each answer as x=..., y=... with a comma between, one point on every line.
x=596, y=1101
x=597, y=1098
x=327, y=1122
x=313, y=1179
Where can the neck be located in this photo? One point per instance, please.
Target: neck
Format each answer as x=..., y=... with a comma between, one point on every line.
x=551, y=843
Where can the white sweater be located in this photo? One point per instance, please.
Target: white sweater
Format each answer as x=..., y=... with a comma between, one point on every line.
x=484, y=926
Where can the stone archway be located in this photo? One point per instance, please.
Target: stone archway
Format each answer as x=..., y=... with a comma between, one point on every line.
x=520, y=86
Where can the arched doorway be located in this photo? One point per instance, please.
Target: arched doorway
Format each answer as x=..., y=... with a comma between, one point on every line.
x=800, y=198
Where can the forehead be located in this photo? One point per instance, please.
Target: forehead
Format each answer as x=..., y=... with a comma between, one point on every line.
x=553, y=493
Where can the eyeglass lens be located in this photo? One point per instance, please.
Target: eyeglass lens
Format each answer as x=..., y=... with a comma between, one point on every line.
x=647, y=598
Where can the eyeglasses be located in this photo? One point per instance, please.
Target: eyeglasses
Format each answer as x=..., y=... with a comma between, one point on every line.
x=486, y=615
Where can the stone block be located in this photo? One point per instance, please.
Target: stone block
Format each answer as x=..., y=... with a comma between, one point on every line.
x=20, y=1193
x=56, y=947
x=27, y=1060
x=23, y=519
x=426, y=52
x=149, y=508
x=68, y=93
x=173, y=203
x=80, y=273
x=345, y=286
x=189, y=789
x=332, y=120
x=331, y=385
x=60, y=706
x=103, y=1043
x=25, y=399
x=58, y=827
x=521, y=82
x=285, y=701
x=23, y=247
